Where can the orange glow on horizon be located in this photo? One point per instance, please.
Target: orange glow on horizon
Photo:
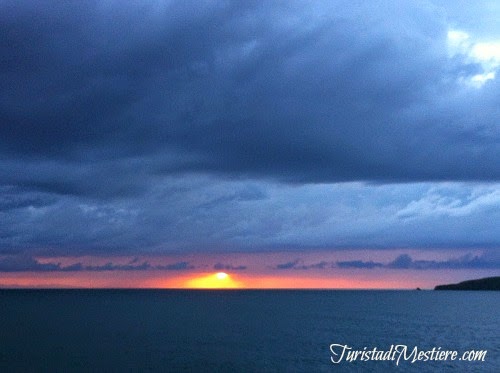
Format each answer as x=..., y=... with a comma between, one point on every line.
x=222, y=280
x=160, y=279
x=157, y=279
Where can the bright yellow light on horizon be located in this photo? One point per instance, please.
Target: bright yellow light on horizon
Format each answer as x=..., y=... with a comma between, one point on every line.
x=219, y=280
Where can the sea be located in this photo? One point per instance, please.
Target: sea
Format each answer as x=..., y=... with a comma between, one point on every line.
x=248, y=331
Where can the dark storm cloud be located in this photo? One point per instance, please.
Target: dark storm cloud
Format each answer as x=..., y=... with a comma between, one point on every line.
x=172, y=126
x=100, y=98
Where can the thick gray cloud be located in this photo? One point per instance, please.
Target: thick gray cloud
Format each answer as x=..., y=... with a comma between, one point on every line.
x=110, y=113
x=98, y=98
x=206, y=214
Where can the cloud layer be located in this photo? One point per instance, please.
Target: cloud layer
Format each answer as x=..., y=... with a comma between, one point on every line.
x=405, y=261
x=165, y=126
x=23, y=263
x=101, y=99
x=486, y=261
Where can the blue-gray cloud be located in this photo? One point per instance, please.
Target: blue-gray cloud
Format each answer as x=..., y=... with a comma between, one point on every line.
x=405, y=261
x=169, y=218
x=288, y=265
x=179, y=266
x=26, y=263
x=297, y=264
x=229, y=267
x=112, y=116
x=23, y=263
x=96, y=103
x=359, y=264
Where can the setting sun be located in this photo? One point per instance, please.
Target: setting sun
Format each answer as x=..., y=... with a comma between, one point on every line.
x=219, y=280
x=221, y=275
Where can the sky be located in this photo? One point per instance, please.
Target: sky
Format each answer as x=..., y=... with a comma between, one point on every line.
x=321, y=144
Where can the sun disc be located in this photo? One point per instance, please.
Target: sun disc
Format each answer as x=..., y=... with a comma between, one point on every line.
x=221, y=275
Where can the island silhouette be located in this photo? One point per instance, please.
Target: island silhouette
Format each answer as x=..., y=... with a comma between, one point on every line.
x=488, y=283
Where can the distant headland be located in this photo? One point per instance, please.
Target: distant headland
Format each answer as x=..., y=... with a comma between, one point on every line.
x=489, y=283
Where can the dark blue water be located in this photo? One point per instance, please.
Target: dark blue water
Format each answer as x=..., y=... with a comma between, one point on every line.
x=240, y=331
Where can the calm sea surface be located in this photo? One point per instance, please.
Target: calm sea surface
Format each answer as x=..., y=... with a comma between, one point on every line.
x=240, y=331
